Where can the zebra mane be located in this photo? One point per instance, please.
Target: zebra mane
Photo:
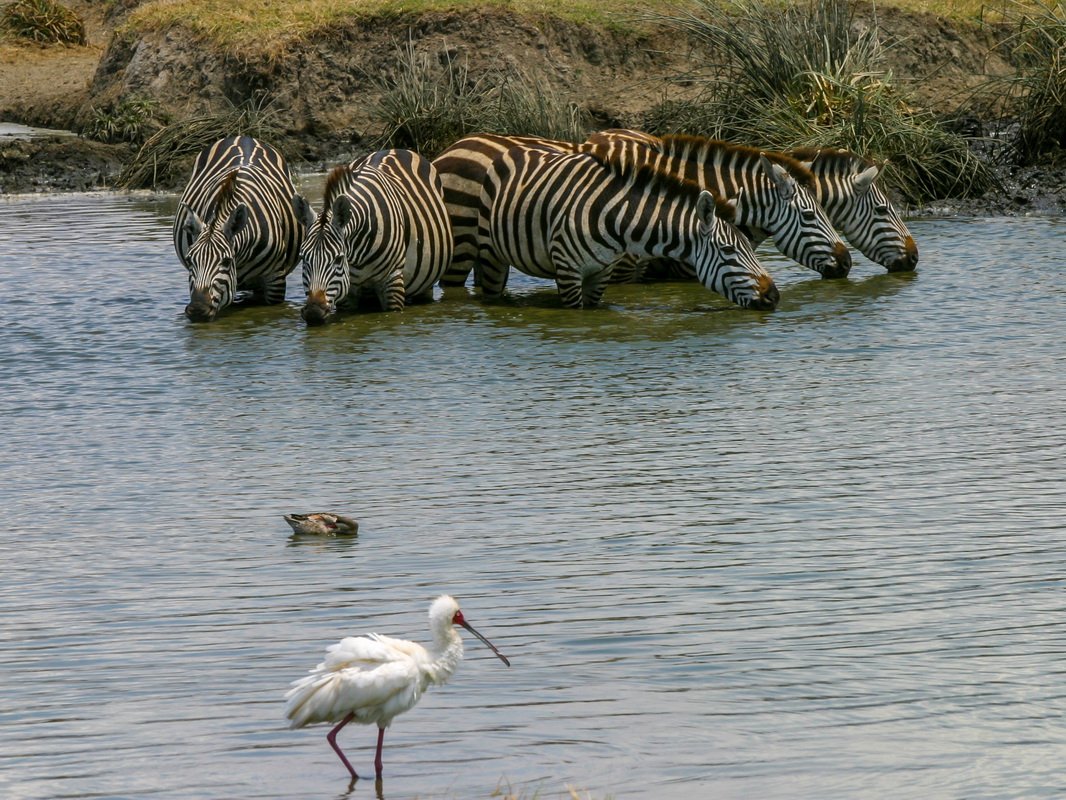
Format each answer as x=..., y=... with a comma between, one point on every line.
x=336, y=182
x=656, y=180
x=226, y=192
x=697, y=148
x=838, y=160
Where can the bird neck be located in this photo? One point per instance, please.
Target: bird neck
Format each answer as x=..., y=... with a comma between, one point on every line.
x=447, y=653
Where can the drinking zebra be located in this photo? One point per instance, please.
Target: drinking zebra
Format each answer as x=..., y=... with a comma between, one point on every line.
x=844, y=187
x=771, y=191
x=235, y=229
x=570, y=216
x=383, y=230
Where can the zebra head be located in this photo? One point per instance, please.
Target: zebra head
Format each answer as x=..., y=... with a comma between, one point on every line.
x=725, y=261
x=326, y=279
x=787, y=210
x=860, y=209
x=211, y=260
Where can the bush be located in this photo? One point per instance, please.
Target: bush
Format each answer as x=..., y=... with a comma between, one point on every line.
x=1035, y=96
x=430, y=103
x=130, y=121
x=166, y=158
x=43, y=21
x=799, y=77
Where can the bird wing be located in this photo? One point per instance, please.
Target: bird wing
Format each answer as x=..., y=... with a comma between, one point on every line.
x=372, y=677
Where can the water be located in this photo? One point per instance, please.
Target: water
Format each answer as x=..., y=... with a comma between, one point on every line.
x=814, y=553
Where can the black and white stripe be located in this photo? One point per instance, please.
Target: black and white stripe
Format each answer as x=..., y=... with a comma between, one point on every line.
x=569, y=217
x=845, y=188
x=235, y=229
x=771, y=191
x=383, y=231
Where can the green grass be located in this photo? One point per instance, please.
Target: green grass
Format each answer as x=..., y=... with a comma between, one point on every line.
x=801, y=76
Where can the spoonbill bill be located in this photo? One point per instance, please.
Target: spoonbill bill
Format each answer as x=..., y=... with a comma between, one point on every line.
x=371, y=679
x=322, y=523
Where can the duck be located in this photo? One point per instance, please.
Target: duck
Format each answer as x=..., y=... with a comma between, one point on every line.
x=322, y=524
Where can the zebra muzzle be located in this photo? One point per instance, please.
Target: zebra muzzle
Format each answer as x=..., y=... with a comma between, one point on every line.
x=317, y=309
x=907, y=261
x=839, y=264
x=200, y=307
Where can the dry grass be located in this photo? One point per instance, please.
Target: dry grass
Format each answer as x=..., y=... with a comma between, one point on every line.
x=43, y=21
x=251, y=24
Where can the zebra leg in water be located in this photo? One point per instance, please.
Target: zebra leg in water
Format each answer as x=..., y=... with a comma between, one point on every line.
x=580, y=286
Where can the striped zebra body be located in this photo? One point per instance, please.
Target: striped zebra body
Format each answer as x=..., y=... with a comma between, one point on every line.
x=569, y=217
x=462, y=168
x=845, y=188
x=383, y=231
x=235, y=229
x=771, y=190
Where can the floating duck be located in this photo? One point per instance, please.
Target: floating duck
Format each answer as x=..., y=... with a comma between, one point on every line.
x=322, y=524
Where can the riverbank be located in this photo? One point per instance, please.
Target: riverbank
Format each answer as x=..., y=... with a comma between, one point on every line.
x=322, y=85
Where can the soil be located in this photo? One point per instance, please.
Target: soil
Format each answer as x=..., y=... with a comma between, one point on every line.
x=322, y=83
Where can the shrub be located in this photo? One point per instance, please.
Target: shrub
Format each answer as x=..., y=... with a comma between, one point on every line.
x=130, y=121
x=429, y=103
x=166, y=158
x=1035, y=95
x=798, y=76
x=43, y=21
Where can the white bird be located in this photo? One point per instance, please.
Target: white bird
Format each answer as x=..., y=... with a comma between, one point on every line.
x=371, y=679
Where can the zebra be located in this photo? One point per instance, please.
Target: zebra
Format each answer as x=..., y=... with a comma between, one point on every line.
x=771, y=190
x=235, y=229
x=844, y=187
x=383, y=230
x=569, y=216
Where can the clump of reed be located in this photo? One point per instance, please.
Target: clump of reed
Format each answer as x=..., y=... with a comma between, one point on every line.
x=131, y=120
x=804, y=75
x=43, y=21
x=431, y=101
x=1034, y=97
x=165, y=159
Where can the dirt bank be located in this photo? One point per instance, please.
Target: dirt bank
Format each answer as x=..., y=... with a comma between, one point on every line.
x=323, y=84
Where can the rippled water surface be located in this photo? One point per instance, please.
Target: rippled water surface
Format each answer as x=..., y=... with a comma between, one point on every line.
x=814, y=553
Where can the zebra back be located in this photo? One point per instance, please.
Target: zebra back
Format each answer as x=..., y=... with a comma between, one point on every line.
x=383, y=229
x=775, y=192
x=570, y=216
x=845, y=188
x=235, y=229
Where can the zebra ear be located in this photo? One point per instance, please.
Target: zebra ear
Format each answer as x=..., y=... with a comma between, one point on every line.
x=785, y=183
x=304, y=213
x=705, y=209
x=238, y=219
x=342, y=211
x=192, y=224
x=865, y=179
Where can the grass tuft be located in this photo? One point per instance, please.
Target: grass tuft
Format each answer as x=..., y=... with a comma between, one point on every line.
x=804, y=75
x=165, y=159
x=430, y=102
x=43, y=21
x=1034, y=97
